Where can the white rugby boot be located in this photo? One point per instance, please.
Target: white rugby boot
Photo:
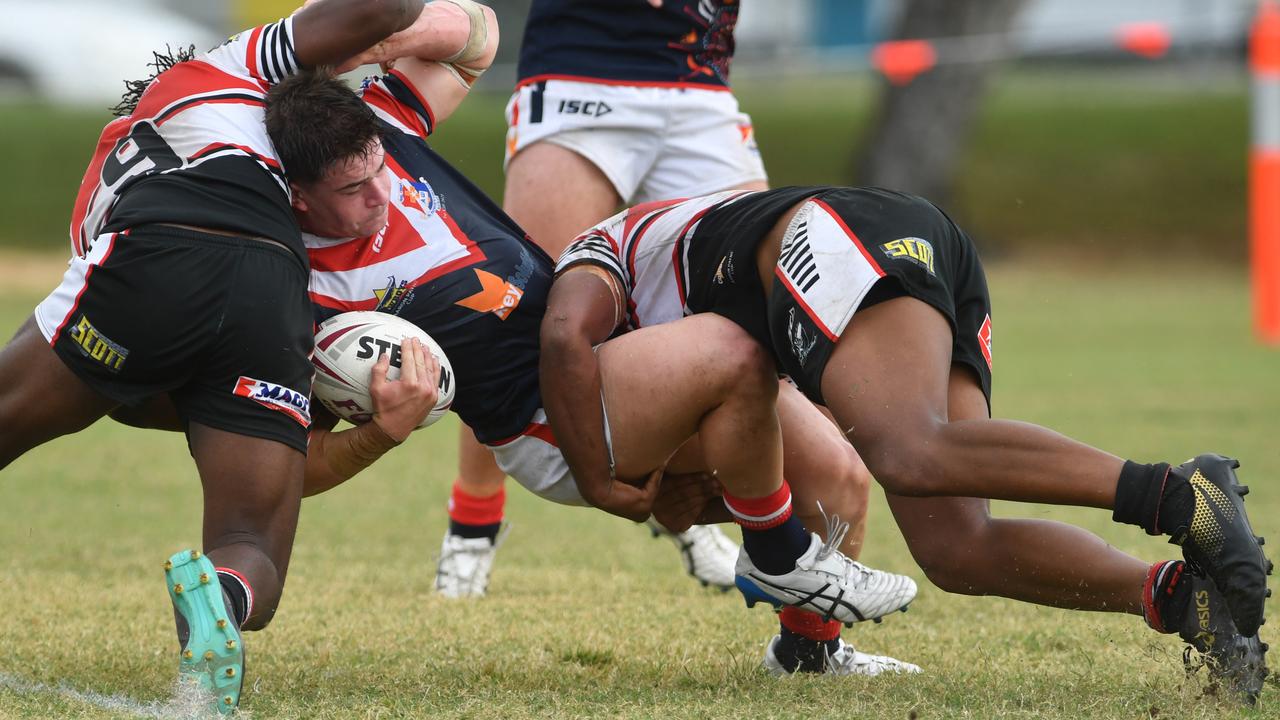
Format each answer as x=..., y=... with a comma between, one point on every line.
x=827, y=582
x=708, y=554
x=844, y=661
x=465, y=563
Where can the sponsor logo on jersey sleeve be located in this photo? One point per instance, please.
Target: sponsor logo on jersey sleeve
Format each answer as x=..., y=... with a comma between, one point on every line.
x=496, y=295
x=96, y=346
x=276, y=397
x=984, y=340
x=911, y=248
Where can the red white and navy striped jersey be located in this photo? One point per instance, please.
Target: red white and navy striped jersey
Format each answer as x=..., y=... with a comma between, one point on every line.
x=629, y=42
x=449, y=261
x=647, y=248
x=195, y=151
x=679, y=257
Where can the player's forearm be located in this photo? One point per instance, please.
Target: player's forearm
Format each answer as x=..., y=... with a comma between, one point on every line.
x=570, y=382
x=330, y=32
x=335, y=457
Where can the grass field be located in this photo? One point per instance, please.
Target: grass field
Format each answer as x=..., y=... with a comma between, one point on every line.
x=587, y=616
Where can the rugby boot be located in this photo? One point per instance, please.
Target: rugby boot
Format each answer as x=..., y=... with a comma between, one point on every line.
x=212, y=654
x=463, y=568
x=1235, y=661
x=707, y=553
x=1216, y=537
x=844, y=661
x=826, y=582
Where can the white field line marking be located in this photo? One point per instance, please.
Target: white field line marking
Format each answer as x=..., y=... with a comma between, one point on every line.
x=188, y=701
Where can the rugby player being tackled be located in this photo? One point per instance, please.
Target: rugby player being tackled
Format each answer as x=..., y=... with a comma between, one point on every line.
x=875, y=303
x=392, y=227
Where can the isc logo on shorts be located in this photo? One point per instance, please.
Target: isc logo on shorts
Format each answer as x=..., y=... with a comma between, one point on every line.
x=276, y=397
x=590, y=108
x=94, y=344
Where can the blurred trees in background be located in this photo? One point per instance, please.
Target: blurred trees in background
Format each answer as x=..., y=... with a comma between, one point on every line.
x=919, y=128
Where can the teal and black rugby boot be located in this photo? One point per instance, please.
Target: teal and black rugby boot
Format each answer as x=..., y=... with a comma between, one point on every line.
x=1216, y=537
x=1235, y=661
x=212, y=653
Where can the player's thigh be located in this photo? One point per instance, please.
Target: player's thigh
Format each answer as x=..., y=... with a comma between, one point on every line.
x=252, y=490
x=818, y=462
x=554, y=194
x=660, y=381
x=40, y=398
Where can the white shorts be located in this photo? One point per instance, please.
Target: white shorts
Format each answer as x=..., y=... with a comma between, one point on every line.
x=534, y=460
x=653, y=143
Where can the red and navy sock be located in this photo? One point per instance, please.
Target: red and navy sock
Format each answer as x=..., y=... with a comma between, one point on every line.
x=237, y=590
x=1165, y=598
x=476, y=517
x=773, y=538
x=805, y=640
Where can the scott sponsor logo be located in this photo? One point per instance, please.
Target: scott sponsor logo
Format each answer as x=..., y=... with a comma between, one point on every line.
x=276, y=397
x=590, y=108
x=913, y=248
x=95, y=345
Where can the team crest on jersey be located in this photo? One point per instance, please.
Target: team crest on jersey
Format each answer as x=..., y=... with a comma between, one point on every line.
x=912, y=248
x=93, y=344
x=802, y=340
x=418, y=195
x=276, y=397
x=984, y=340
x=393, y=297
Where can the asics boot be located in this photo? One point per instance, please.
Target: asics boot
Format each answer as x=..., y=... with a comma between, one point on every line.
x=1217, y=538
x=844, y=661
x=465, y=563
x=707, y=553
x=1235, y=661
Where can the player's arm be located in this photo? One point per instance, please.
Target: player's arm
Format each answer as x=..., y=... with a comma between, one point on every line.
x=399, y=406
x=583, y=309
x=442, y=55
x=332, y=32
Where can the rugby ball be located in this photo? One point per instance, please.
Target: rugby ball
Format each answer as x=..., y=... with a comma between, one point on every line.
x=347, y=348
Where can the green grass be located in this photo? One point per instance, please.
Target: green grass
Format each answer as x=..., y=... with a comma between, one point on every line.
x=587, y=616
x=1135, y=165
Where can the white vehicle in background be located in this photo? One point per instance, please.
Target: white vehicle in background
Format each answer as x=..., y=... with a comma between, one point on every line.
x=75, y=52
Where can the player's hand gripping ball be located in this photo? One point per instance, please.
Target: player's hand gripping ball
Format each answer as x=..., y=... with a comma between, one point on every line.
x=348, y=346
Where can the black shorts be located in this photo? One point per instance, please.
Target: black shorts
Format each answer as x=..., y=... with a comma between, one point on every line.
x=848, y=248
x=222, y=324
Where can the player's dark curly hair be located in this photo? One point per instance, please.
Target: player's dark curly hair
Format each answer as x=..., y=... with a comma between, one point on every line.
x=315, y=120
x=133, y=89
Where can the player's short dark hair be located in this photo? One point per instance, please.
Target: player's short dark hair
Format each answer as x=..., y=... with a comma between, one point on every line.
x=315, y=120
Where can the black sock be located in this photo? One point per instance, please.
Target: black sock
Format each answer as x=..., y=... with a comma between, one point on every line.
x=475, y=531
x=798, y=653
x=1139, y=493
x=775, y=551
x=236, y=596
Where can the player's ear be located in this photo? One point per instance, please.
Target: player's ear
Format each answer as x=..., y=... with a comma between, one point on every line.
x=297, y=200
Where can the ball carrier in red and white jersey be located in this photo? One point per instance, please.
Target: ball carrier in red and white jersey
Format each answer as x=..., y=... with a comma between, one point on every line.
x=187, y=289
x=875, y=303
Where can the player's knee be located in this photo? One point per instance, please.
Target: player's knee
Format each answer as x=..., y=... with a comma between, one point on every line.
x=949, y=552
x=745, y=364
x=906, y=465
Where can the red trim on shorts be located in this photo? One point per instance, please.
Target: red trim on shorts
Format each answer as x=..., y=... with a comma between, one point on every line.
x=795, y=295
x=111, y=246
x=861, y=248
x=623, y=83
x=809, y=624
x=471, y=509
x=542, y=431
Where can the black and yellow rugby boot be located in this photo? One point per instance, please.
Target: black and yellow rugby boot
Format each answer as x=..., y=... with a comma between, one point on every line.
x=1179, y=598
x=1216, y=537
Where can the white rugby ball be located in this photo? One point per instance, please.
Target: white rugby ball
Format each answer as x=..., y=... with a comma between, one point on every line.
x=347, y=348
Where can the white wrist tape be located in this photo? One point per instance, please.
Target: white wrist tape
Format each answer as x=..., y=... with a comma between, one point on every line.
x=478, y=36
